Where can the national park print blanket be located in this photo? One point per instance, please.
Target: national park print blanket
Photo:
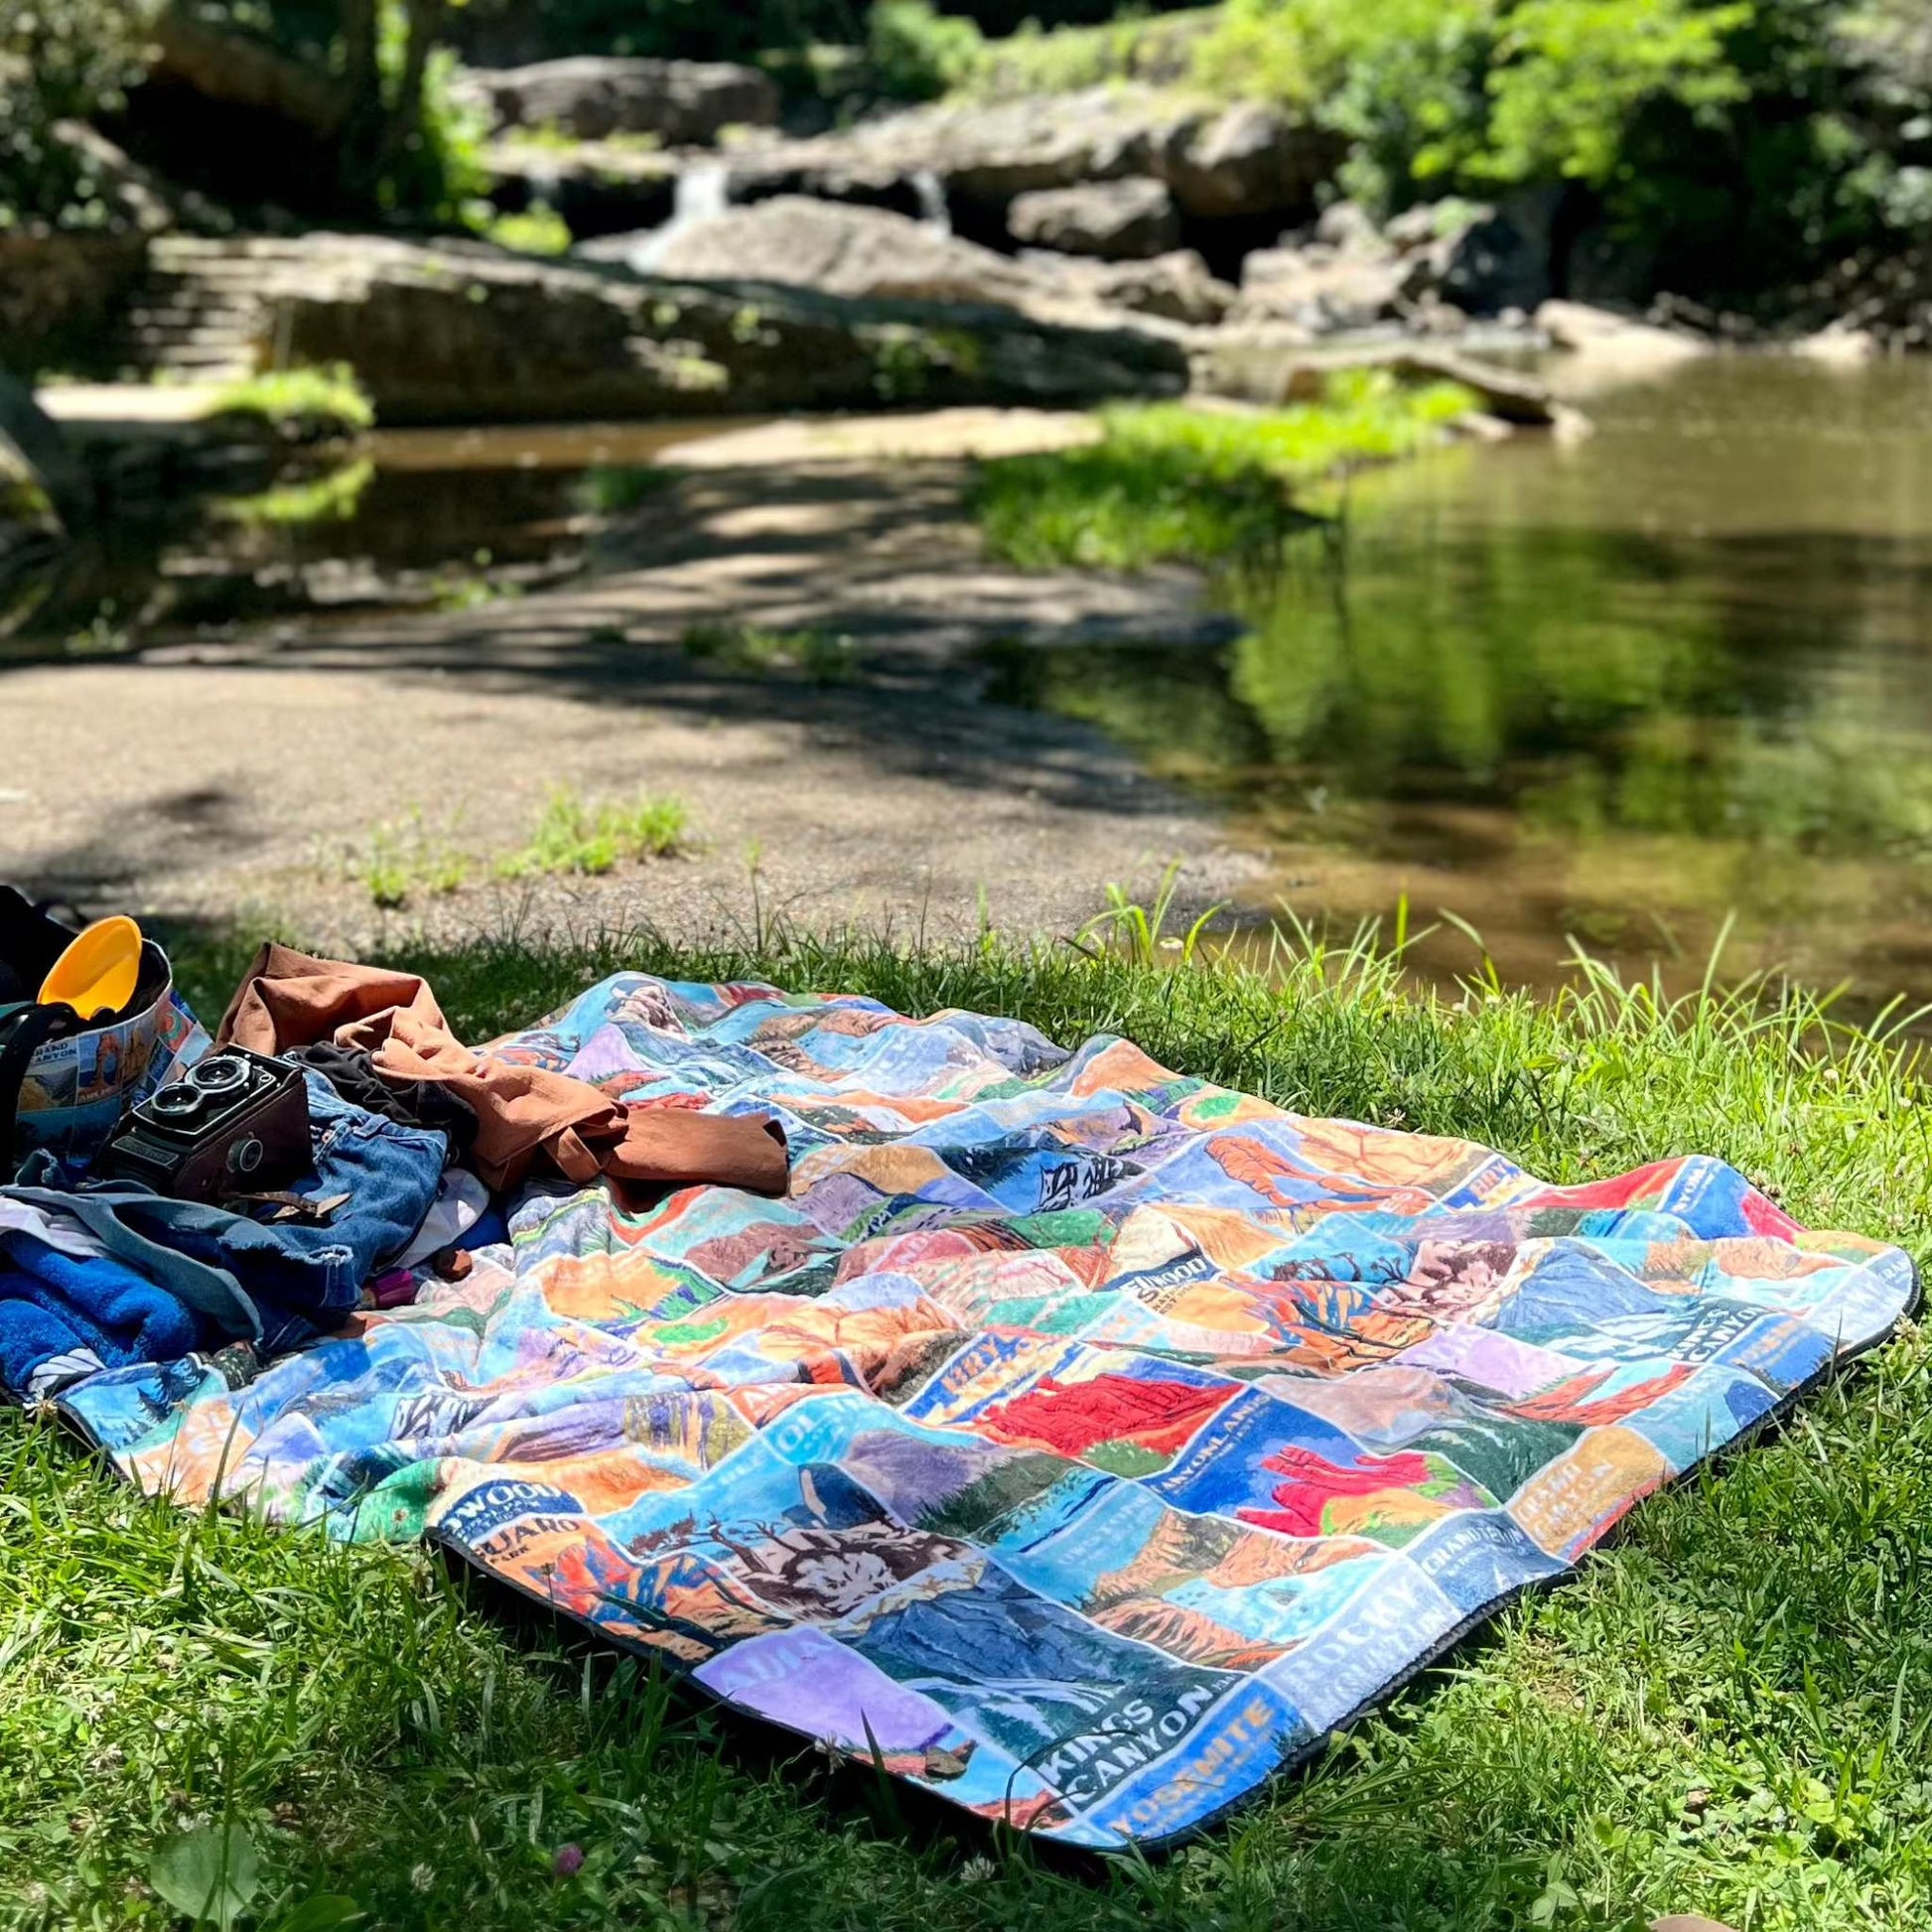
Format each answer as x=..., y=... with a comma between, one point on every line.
x=1082, y=1440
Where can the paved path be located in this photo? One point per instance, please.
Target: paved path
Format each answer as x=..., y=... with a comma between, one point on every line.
x=249, y=775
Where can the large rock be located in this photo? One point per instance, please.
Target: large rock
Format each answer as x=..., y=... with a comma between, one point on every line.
x=1250, y=159
x=1118, y=220
x=1479, y=259
x=1175, y=287
x=33, y=466
x=842, y=250
x=1322, y=287
x=1245, y=161
x=461, y=333
x=591, y=97
x=1451, y=256
x=873, y=254
x=61, y=295
x=1840, y=346
x=1271, y=364
x=41, y=471
x=1606, y=337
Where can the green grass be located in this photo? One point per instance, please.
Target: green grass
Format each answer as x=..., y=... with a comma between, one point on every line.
x=573, y=835
x=1727, y=1712
x=1172, y=483
x=302, y=402
x=403, y=859
x=822, y=656
x=537, y=230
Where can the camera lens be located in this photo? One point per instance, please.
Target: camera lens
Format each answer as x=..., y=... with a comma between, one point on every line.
x=177, y=1101
x=220, y=1076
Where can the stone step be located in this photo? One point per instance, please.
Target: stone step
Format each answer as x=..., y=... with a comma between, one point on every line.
x=163, y=345
x=195, y=315
x=190, y=304
x=192, y=325
x=214, y=368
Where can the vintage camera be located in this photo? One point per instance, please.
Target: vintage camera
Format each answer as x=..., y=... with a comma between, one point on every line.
x=237, y=1124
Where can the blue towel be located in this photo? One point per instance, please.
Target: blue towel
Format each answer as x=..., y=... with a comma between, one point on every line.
x=55, y=1304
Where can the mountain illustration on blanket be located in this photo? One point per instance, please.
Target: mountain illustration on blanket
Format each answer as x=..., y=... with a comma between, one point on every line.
x=1079, y=1441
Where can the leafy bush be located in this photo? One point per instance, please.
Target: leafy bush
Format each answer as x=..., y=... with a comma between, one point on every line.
x=302, y=402
x=1728, y=139
x=62, y=60
x=1159, y=49
x=916, y=52
x=537, y=230
x=1485, y=91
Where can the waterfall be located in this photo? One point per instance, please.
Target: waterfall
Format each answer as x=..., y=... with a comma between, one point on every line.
x=932, y=201
x=701, y=192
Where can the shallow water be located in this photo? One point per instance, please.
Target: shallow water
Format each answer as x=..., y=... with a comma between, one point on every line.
x=419, y=520
x=1619, y=692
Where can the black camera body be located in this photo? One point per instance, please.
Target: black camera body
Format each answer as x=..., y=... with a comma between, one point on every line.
x=237, y=1124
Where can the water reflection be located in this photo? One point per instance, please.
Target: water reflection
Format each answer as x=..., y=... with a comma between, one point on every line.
x=414, y=520
x=1615, y=691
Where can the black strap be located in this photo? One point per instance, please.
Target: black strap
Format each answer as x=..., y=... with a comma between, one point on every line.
x=23, y=1033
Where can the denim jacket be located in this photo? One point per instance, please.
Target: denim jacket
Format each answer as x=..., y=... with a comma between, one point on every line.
x=276, y=1286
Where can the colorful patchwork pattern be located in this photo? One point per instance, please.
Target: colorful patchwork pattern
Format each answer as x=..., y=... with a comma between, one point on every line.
x=1082, y=1440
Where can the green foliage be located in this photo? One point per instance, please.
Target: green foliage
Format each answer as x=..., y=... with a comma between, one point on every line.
x=573, y=836
x=1731, y=139
x=404, y=860
x=1157, y=47
x=819, y=655
x=1492, y=93
x=303, y=403
x=1573, y=75
x=209, y=1875
x=62, y=60
x=408, y=148
x=437, y=169
x=916, y=53
x=1169, y=481
x=537, y=230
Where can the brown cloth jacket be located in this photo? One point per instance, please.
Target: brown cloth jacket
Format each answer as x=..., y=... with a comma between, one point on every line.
x=289, y=1000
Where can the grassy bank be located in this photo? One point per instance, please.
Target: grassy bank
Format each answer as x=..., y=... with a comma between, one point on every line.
x=1172, y=483
x=1724, y=1713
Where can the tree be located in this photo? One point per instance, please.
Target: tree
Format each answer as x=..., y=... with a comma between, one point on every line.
x=357, y=83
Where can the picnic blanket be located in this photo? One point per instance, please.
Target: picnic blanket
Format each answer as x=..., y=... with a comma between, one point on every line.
x=1078, y=1440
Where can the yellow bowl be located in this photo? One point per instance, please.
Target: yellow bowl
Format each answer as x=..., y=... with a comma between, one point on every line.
x=100, y=970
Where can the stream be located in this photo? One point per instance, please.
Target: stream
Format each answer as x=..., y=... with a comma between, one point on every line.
x=1618, y=693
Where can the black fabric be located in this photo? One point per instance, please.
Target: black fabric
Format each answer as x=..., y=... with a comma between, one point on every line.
x=23, y=1033
x=415, y=1103
x=31, y=940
